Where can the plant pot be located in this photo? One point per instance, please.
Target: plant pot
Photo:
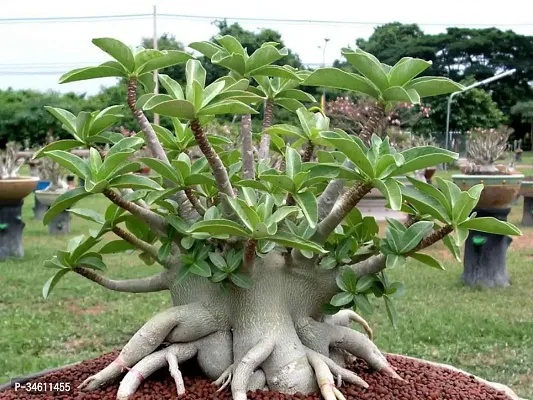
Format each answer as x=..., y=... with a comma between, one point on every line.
x=526, y=190
x=47, y=197
x=499, y=190
x=15, y=189
x=526, y=187
x=39, y=209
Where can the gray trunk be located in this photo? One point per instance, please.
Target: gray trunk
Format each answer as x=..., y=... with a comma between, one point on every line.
x=485, y=254
x=527, y=216
x=39, y=209
x=11, y=227
x=60, y=225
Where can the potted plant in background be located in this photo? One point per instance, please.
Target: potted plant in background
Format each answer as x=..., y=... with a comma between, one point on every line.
x=13, y=189
x=485, y=254
x=57, y=176
x=526, y=190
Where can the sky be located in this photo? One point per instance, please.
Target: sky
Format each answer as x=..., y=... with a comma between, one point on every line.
x=55, y=48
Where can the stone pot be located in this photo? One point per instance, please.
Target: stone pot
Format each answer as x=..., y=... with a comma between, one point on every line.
x=15, y=189
x=47, y=197
x=526, y=187
x=499, y=190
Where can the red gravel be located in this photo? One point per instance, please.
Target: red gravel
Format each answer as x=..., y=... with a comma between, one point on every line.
x=424, y=382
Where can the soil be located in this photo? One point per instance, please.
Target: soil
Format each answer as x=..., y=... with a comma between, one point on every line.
x=423, y=382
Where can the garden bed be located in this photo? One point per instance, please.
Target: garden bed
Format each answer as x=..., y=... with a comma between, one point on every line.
x=423, y=381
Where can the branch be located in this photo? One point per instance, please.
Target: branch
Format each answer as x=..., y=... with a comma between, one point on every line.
x=132, y=239
x=341, y=209
x=193, y=199
x=264, y=147
x=248, y=171
x=329, y=196
x=377, y=263
x=249, y=256
x=374, y=123
x=308, y=154
x=185, y=207
x=151, y=138
x=155, y=283
x=218, y=168
x=155, y=221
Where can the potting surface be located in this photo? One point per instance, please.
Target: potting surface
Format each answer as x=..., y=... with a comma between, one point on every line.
x=423, y=381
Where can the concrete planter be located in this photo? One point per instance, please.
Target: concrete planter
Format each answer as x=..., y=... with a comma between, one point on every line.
x=15, y=189
x=526, y=190
x=47, y=197
x=499, y=190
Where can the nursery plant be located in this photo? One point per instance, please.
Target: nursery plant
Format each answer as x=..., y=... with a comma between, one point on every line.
x=264, y=265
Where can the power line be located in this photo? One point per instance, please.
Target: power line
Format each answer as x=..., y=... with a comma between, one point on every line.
x=99, y=18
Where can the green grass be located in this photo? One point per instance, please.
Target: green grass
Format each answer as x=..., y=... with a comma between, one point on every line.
x=487, y=332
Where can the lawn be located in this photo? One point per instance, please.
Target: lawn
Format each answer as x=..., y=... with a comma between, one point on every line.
x=487, y=332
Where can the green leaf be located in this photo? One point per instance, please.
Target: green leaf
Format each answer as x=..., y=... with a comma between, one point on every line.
x=220, y=226
x=397, y=94
x=308, y=203
x=168, y=58
x=66, y=118
x=58, y=145
x=491, y=225
x=281, y=213
x=194, y=72
x=163, y=169
x=208, y=49
x=368, y=66
x=112, y=162
x=134, y=182
x=434, y=86
x=451, y=191
x=406, y=69
x=234, y=62
x=218, y=261
x=349, y=280
x=276, y=71
x=92, y=261
x=452, y=246
x=95, y=161
x=293, y=241
x=231, y=44
x=414, y=234
x=395, y=260
x=264, y=56
x=278, y=180
x=182, y=109
x=201, y=268
x=118, y=50
x=466, y=204
x=364, y=283
x=211, y=92
x=71, y=162
x=63, y=202
x=328, y=263
x=116, y=246
x=172, y=87
x=362, y=303
x=348, y=146
x=428, y=260
x=82, y=74
x=341, y=299
x=338, y=79
x=219, y=276
x=296, y=94
x=391, y=311
x=52, y=282
x=425, y=204
x=423, y=157
x=392, y=192
x=432, y=191
x=227, y=107
x=293, y=162
x=289, y=104
x=164, y=251
x=89, y=215
x=241, y=280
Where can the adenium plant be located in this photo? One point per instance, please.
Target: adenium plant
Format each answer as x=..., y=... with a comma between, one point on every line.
x=264, y=265
x=10, y=162
x=485, y=147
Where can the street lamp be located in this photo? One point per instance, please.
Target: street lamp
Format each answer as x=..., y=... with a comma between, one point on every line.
x=488, y=80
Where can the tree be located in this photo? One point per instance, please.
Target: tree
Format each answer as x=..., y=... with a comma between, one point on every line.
x=263, y=264
x=524, y=110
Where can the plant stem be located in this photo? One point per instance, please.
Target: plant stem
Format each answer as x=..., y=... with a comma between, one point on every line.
x=132, y=239
x=151, y=284
x=249, y=256
x=194, y=201
x=377, y=116
x=264, y=147
x=248, y=171
x=340, y=210
x=309, y=148
x=218, y=168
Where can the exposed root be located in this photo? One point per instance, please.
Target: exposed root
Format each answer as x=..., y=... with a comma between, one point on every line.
x=340, y=372
x=150, y=337
x=172, y=355
x=324, y=377
x=225, y=379
x=247, y=366
x=344, y=317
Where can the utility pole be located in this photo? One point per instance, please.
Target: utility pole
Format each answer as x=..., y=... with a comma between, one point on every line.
x=156, y=78
x=323, y=101
x=483, y=82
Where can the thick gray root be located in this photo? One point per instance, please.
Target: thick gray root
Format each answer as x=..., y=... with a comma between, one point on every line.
x=337, y=370
x=344, y=317
x=179, y=352
x=326, y=383
x=249, y=363
x=182, y=319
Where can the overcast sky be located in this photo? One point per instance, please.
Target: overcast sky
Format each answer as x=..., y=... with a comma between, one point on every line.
x=58, y=47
